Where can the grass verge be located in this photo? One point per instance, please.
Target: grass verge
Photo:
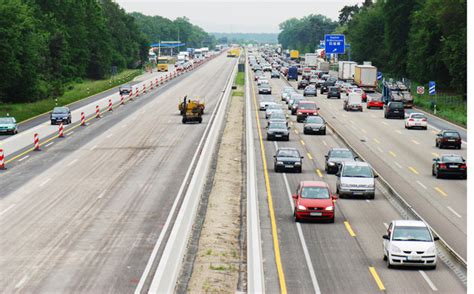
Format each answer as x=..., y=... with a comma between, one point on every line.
x=240, y=78
x=74, y=92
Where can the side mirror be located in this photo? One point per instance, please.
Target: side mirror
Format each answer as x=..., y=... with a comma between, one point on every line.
x=334, y=197
x=435, y=159
x=325, y=156
x=295, y=196
x=385, y=237
x=376, y=176
x=301, y=157
x=356, y=157
x=289, y=128
x=436, y=238
x=318, y=108
x=274, y=156
x=338, y=174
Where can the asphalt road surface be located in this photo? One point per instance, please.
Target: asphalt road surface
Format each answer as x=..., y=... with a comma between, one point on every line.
x=344, y=257
x=84, y=214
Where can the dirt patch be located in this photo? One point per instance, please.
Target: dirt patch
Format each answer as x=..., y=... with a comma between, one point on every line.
x=217, y=263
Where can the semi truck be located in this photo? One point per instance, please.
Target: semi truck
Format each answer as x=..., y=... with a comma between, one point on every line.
x=346, y=70
x=323, y=65
x=365, y=77
x=311, y=60
x=397, y=91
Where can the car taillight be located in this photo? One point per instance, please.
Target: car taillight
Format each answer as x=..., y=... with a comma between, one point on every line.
x=463, y=166
x=424, y=119
x=442, y=165
x=411, y=119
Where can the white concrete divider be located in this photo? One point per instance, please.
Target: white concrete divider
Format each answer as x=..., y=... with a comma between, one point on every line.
x=167, y=272
x=255, y=273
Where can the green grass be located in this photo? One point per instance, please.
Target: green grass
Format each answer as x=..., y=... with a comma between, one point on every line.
x=73, y=93
x=240, y=78
x=237, y=93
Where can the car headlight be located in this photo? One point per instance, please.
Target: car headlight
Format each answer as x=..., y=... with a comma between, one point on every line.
x=395, y=249
x=345, y=185
x=279, y=162
x=431, y=250
x=332, y=163
x=297, y=163
x=301, y=207
x=299, y=113
x=329, y=208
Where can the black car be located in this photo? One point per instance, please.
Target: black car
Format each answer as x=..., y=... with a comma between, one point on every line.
x=335, y=157
x=314, y=125
x=125, y=89
x=288, y=159
x=275, y=74
x=303, y=84
x=60, y=115
x=448, y=138
x=394, y=109
x=334, y=92
x=325, y=86
x=449, y=165
x=278, y=130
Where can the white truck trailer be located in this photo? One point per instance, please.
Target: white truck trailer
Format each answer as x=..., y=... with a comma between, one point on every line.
x=365, y=77
x=346, y=70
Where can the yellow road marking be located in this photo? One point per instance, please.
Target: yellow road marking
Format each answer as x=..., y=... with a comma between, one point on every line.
x=319, y=173
x=413, y=170
x=440, y=191
x=416, y=142
x=435, y=154
x=309, y=156
x=349, y=229
x=392, y=153
x=376, y=141
x=376, y=278
x=302, y=142
x=276, y=246
x=296, y=131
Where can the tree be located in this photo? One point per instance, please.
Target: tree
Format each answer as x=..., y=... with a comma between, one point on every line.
x=347, y=12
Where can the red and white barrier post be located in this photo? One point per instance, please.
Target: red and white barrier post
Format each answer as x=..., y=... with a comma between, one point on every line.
x=36, y=142
x=161, y=80
x=61, y=131
x=110, y=104
x=137, y=92
x=151, y=85
x=156, y=82
x=122, y=100
x=83, y=119
x=97, y=111
x=144, y=88
x=2, y=160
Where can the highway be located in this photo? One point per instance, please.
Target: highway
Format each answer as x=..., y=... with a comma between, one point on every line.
x=346, y=257
x=84, y=214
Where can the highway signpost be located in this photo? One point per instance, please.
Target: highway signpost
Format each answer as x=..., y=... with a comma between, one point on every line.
x=379, y=75
x=432, y=87
x=420, y=90
x=335, y=44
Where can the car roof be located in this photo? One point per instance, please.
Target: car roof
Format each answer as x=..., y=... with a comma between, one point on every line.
x=451, y=131
x=356, y=163
x=339, y=148
x=314, y=184
x=409, y=223
x=288, y=148
x=307, y=101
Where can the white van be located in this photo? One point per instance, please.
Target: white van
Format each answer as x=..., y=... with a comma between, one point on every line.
x=353, y=102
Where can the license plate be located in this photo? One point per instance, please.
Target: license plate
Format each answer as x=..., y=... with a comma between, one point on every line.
x=278, y=136
x=288, y=166
x=413, y=258
x=315, y=213
x=453, y=166
x=417, y=124
x=451, y=140
x=358, y=193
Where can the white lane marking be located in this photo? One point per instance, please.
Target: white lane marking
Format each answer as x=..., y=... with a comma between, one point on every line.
x=386, y=225
x=101, y=195
x=124, y=126
x=384, y=123
x=21, y=282
x=421, y=184
x=398, y=131
x=93, y=147
x=45, y=182
x=367, y=200
x=72, y=162
x=110, y=135
x=49, y=144
x=373, y=116
x=324, y=142
x=380, y=149
x=6, y=209
x=23, y=158
x=454, y=212
x=428, y=280
x=169, y=120
x=398, y=164
x=71, y=132
x=416, y=142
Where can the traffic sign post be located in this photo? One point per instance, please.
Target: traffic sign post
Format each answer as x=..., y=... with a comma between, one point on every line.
x=432, y=87
x=420, y=90
x=335, y=44
x=379, y=75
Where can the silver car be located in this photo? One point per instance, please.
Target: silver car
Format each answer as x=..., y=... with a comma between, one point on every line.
x=278, y=131
x=310, y=91
x=272, y=108
x=355, y=179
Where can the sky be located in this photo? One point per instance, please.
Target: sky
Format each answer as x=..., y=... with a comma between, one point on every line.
x=237, y=17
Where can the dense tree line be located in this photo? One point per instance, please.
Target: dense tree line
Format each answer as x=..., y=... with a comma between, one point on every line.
x=304, y=34
x=420, y=39
x=157, y=28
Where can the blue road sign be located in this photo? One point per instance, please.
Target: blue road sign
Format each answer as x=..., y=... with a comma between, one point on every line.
x=432, y=87
x=335, y=44
x=379, y=75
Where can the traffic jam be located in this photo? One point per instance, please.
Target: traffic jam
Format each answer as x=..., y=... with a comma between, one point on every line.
x=292, y=112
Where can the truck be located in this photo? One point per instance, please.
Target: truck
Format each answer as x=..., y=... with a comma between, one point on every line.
x=323, y=65
x=353, y=102
x=294, y=54
x=311, y=60
x=292, y=73
x=233, y=52
x=183, y=56
x=365, y=77
x=346, y=70
x=397, y=91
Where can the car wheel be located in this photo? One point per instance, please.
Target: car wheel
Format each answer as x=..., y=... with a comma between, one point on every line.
x=183, y=120
x=438, y=175
x=432, y=267
x=305, y=132
x=300, y=170
x=288, y=138
x=323, y=132
x=297, y=219
x=332, y=220
x=433, y=171
x=385, y=257
x=371, y=196
x=388, y=263
x=459, y=146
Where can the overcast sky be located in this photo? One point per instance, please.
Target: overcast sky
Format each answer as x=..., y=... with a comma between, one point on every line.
x=236, y=17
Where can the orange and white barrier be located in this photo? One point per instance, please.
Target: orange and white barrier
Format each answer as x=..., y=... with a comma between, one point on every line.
x=36, y=142
x=83, y=119
x=97, y=111
x=151, y=85
x=2, y=160
x=144, y=88
x=110, y=104
x=137, y=92
x=61, y=131
x=122, y=100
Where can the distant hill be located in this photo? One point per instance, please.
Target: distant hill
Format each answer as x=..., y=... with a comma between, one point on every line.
x=246, y=38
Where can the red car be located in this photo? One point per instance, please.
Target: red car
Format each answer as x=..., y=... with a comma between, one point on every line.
x=306, y=108
x=314, y=200
x=375, y=102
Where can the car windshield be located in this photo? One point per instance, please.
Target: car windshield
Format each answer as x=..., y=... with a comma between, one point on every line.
x=307, y=106
x=288, y=153
x=334, y=89
x=273, y=106
x=6, y=120
x=277, y=115
x=277, y=126
x=60, y=110
x=451, y=134
x=315, y=193
x=417, y=115
x=452, y=158
x=396, y=105
x=341, y=154
x=354, y=171
x=408, y=233
x=314, y=120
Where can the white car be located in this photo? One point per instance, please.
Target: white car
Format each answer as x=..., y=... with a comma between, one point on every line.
x=262, y=81
x=416, y=120
x=264, y=103
x=409, y=243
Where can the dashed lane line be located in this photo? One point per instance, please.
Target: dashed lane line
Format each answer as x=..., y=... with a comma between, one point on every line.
x=413, y=170
x=349, y=229
x=377, y=279
x=421, y=184
x=454, y=212
x=440, y=191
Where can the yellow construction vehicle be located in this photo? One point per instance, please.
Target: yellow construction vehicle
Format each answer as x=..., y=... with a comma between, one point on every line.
x=162, y=63
x=191, y=110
